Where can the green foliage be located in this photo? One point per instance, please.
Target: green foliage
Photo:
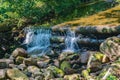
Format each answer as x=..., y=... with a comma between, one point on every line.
x=112, y=77
x=48, y=11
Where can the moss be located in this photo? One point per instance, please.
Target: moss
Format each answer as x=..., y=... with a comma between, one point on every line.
x=19, y=60
x=65, y=65
x=99, y=56
x=58, y=72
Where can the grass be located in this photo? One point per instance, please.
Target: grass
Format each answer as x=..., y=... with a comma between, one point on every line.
x=109, y=17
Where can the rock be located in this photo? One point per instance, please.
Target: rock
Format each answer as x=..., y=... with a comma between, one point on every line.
x=97, y=29
x=43, y=63
x=84, y=57
x=116, y=68
x=12, y=66
x=67, y=68
x=33, y=69
x=56, y=62
x=111, y=47
x=58, y=72
x=68, y=56
x=19, y=52
x=64, y=55
x=95, y=66
x=47, y=74
x=93, y=63
x=15, y=74
x=107, y=74
x=19, y=60
x=101, y=57
x=30, y=61
x=56, y=39
x=39, y=78
x=85, y=74
x=2, y=74
x=22, y=67
x=57, y=79
x=72, y=77
x=4, y=63
x=105, y=59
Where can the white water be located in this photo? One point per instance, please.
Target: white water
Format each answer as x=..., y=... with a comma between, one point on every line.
x=71, y=42
x=37, y=41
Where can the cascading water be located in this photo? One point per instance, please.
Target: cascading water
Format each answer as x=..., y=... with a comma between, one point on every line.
x=71, y=42
x=37, y=41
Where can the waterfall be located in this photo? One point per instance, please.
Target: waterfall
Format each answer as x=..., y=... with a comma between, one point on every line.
x=37, y=41
x=71, y=42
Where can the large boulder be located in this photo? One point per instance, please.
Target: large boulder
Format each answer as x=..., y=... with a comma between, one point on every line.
x=19, y=52
x=111, y=47
x=15, y=74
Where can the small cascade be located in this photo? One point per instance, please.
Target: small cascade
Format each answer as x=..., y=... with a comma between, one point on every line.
x=37, y=41
x=71, y=42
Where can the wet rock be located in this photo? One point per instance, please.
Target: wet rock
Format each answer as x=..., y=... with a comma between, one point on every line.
x=56, y=39
x=15, y=74
x=58, y=46
x=4, y=63
x=19, y=60
x=72, y=77
x=111, y=47
x=30, y=61
x=2, y=74
x=19, y=52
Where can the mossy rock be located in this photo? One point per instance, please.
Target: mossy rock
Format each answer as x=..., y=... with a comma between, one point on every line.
x=58, y=72
x=15, y=74
x=67, y=68
x=19, y=60
x=111, y=47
